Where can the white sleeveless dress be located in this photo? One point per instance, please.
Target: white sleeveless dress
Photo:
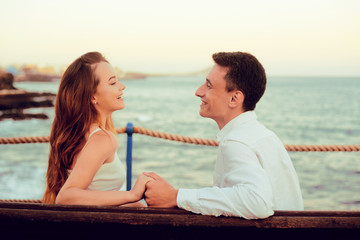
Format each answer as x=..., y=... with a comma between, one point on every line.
x=110, y=176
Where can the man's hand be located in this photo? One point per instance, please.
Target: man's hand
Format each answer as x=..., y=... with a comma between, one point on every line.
x=159, y=193
x=139, y=187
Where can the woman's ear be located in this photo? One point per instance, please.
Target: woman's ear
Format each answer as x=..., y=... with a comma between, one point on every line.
x=93, y=100
x=237, y=99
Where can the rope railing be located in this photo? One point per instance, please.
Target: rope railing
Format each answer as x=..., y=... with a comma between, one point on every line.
x=171, y=137
x=20, y=201
x=191, y=140
x=174, y=137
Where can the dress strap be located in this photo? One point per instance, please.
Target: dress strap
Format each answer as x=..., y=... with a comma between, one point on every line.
x=96, y=130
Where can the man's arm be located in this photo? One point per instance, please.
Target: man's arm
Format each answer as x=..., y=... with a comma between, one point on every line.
x=246, y=191
x=159, y=193
x=242, y=187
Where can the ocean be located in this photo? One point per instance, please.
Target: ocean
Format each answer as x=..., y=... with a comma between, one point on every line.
x=300, y=110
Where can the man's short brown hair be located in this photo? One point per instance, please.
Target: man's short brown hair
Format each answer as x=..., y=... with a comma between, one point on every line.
x=245, y=73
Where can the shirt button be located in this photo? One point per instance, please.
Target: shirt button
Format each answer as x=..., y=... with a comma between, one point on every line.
x=188, y=208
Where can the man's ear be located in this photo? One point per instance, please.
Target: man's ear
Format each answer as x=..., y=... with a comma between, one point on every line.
x=237, y=99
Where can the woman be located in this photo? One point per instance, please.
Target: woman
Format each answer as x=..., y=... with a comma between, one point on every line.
x=83, y=164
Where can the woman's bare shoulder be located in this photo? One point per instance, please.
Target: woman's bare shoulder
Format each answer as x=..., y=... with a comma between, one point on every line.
x=104, y=138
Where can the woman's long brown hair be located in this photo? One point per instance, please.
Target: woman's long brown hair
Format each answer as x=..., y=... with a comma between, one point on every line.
x=74, y=113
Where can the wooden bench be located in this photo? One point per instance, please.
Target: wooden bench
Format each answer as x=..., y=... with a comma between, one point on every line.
x=46, y=221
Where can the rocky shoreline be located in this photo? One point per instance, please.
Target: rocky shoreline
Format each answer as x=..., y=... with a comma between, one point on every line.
x=14, y=101
x=21, y=99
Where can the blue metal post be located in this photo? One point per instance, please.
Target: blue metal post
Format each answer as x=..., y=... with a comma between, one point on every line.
x=129, y=131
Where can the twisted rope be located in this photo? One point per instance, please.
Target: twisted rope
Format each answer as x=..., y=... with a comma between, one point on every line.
x=322, y=148
x=174, y=137
x=120, y=130
x=19, y=140
x=191, y=140
x=20, y=200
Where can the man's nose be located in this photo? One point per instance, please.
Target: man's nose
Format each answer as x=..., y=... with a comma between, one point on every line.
x=200, y=91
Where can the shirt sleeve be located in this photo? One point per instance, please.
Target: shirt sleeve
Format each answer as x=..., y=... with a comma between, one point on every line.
x=245, y=192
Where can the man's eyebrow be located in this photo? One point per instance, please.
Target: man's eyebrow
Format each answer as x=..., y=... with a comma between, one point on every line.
x=111, y=78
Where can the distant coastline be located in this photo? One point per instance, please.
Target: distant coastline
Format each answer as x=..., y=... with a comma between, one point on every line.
x=202, y=72
x=33, y=73
x=45, y=77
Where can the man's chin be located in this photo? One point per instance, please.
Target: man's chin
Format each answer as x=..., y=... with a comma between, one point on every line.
x=203, y=114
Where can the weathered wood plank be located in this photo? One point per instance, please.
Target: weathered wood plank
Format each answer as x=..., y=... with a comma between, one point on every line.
x=40, y=219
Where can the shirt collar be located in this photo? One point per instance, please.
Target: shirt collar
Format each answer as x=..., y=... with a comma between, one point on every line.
x=240, y=119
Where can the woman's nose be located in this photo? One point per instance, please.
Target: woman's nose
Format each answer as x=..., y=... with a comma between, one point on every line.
x=121, y=86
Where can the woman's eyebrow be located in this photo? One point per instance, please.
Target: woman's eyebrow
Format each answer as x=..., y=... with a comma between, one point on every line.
x=111, y=78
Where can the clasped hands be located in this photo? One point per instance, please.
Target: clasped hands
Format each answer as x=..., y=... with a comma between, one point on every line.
x=158, y=192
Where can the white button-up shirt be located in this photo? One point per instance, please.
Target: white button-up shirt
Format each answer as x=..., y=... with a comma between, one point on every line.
x=253, y=175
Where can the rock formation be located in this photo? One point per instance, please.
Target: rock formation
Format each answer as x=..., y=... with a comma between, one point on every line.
x=6, y=80
x=13, y=101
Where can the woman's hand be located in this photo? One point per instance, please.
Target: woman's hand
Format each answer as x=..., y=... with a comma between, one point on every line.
x=139, y=187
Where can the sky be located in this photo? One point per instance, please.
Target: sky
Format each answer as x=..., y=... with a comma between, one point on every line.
x=298, y=38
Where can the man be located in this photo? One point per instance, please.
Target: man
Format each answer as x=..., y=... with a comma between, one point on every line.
x=254, y=174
